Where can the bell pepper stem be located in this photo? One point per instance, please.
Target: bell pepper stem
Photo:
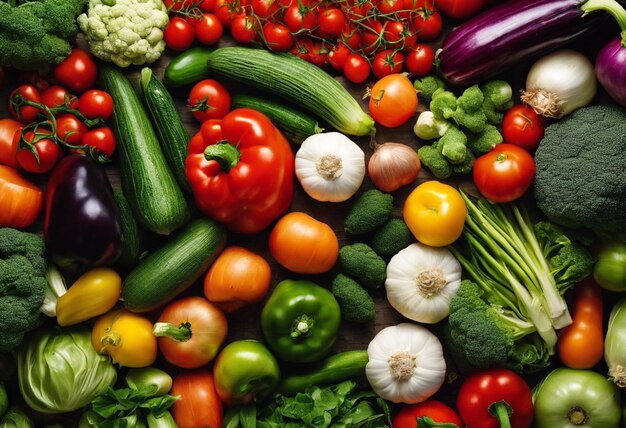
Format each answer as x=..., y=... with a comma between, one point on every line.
x=501, y=410
x=179, y=334
x=223, y=153
x=302, y=326
x=426, y=422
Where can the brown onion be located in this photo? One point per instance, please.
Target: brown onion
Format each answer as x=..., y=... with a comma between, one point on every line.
x=393, y=165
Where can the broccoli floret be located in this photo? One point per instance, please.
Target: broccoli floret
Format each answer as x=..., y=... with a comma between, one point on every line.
x=473, y=121
x=443, y=104
x=355, y=303
x=22, y=285
x=582, y=184
x=471, y=100
x=36, y=34
x=370, y=211
x=427, y=86
x=485, y=141
x=432, y=159
x=391, y=238
x=467, y=165
x=361, y=262
x=453, y=145
x=483, y=335
x=498, y=98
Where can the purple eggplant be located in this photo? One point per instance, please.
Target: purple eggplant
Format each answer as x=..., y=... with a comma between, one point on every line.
x=81, y=225
x=508, y=33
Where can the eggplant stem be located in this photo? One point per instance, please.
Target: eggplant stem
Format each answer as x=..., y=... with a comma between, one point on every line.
x=611, y=6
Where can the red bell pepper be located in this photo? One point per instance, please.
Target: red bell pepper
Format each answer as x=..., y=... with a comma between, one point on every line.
x=241, y=170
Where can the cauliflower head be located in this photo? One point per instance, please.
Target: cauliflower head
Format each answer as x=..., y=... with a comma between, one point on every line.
x=125, y=32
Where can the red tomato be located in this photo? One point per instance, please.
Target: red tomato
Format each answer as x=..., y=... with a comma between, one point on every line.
x=195, y=332
x=356, y=68
x=209, y=29
x=176, y=5
x=523, y=127
x=207, y=6
x=70, y=129
x=481, y=390
x=267, y=10
x=338, y=55
x=208, y=99
x=395, y=32
x=387, y=62
x=101, y=140
x=20, y=200
x=437, y=411
x=318, y=54
x=56, y=96
x=505, y=173
x=227, y=10
x=372, y=38
x=35, y=79
x=277, y=37
x=47, y=151
x=23, y=113
x=420, y=61
x=459, y=9
x=427, y=26
x=299, y=17
x=302, y=48
x=78, y=72
x=350, y=36
x=331, y=22
x=199, y=404
x=179, y=34
x=242, y=29
x=389, y=6
x=96, y=103
x=8, y=142
x=393, y=100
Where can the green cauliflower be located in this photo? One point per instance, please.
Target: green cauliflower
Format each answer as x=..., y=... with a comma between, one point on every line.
x=391, y=238
x=431, y=158
x=361, y=261
x=355, y=303
x=125, y=31
x=485, y=141
x=370, y=211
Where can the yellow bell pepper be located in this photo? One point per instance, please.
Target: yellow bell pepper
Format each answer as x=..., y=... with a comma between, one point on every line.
x=93, y=294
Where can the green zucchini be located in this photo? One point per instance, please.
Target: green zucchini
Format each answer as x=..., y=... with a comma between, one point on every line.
x=187, y=68
x=334, y=369
x=148, y=183
x=295, y=124
x=171, y=269
x=172, y=134
x=132, y=243
x=297, y=81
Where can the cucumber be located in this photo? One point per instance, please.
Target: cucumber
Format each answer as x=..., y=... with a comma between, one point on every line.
x=334, y=369
x=132, y=242
x=148, y=183
x=297, y=81
x=187, y=68
x=172, y=134
x=295, y=124
x=171, y=269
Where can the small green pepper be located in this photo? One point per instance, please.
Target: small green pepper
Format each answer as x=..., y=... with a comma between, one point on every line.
x=300, y=321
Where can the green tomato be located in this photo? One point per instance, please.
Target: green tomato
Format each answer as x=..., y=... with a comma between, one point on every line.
x=610, y=270
x=569, y=398
x=300, y=321
x=244, y=370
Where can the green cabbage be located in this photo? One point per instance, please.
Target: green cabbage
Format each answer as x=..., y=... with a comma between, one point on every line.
x=16, y=418
x=59, y=371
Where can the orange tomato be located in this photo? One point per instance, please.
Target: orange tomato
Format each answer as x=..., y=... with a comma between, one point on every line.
x=8, y=145
x=20, y=200
x=303, y=244
x=581, y=344
x=237, y=277
x=435, y=213
x=199, y=404
x=393, y=100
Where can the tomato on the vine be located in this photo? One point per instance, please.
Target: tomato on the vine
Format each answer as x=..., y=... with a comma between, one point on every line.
x=411, y=7
x=242, y=29
x=101, y=139
x=395, y=32
x=427, y=25
x=387, y=62
x=70, y=129
x=206, y=6
x=209, y=29
x=47, y=152
x=277, y=37
x=266, y=10
x=299, y=17
x=338, y=55
x=393, y=100
x=318, y=54
x=460, y=9
x=23, y=113
x=178, y=5
x=387, y=7
x=96, y=103
x=420, y=60
x=408, y=416
x=331, y=22
x=302, y=48
x=227, y=10
x=356, y=68
x=29, y=77
x=372, y=38
x=78, y=72
x=179, y=34
x=523, y=127
x=56, y=96
x=350, y=36
x=505, y=173
x=208, y=99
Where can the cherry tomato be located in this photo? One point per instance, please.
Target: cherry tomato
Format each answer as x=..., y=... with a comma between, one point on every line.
x=179, y=34
x=427, y=26
x=227, y=10
x=208, y=99
x=207, y=6
x=47, y=151
x=338, y=55
x=356, y=68
x=372, y=38
x=56, y=96
x=101, y=139
x=393, y=100
x=96, y=103
x=350, y=36
x=299, y=17
x=420, y=61
x=395, y=32
x=411, y=7
x=242, y=29
x=78, y=72
x=302, y=48
x=387, y=7
x=177, y=5
x=505, y=173
x=387, y=62
x=523, y=127
x=209, y=29
x=331, y=22
x=70, y=129
x=266, y=10
x=459, y=9
x=199, y=404
x=433, y=409
x=35, y=79
x=318, y=54
x=278, y=37
x=23, y=113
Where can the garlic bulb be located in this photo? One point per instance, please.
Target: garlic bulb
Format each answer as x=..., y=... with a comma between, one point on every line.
x=421, y=281
x=406, y=363
x=330, y=167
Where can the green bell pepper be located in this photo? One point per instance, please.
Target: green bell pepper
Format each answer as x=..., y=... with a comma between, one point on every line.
x=300, y=321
